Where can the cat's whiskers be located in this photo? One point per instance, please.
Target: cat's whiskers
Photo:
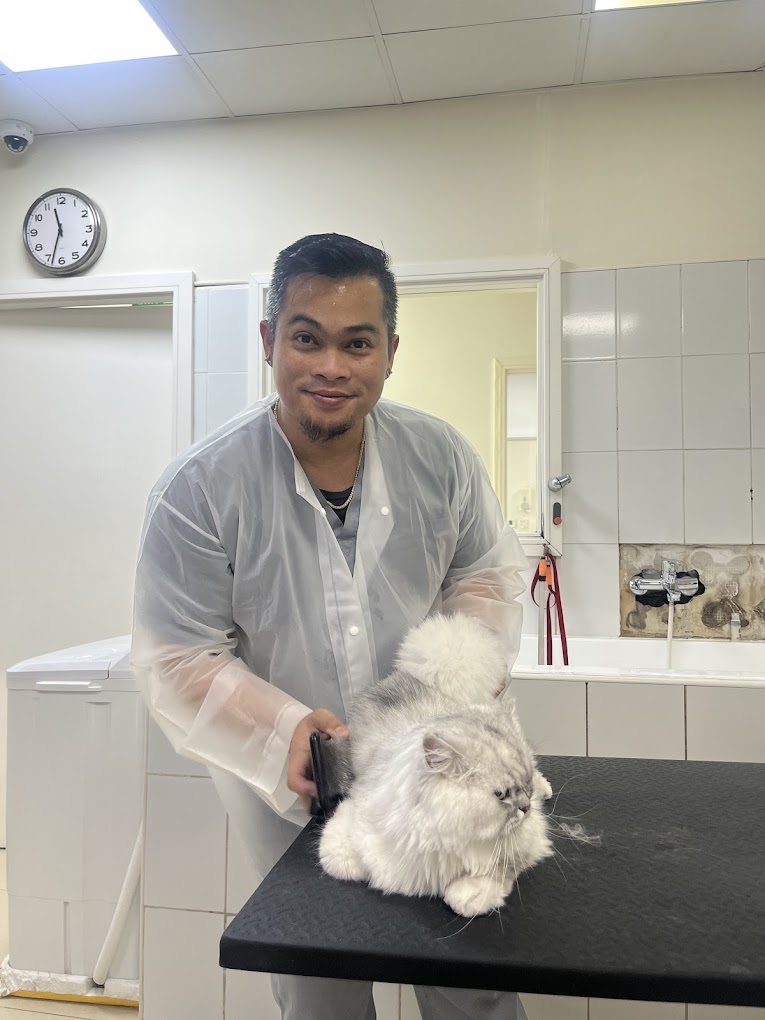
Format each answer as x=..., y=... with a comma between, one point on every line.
x=515, y=866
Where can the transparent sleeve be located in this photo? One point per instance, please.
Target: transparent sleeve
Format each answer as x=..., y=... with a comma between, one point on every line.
x=485, y=577
x=209, y=704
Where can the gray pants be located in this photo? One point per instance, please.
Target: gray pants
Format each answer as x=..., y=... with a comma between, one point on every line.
x=306, y=998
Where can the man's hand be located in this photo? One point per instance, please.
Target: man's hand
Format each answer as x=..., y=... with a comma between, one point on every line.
x=299, y=771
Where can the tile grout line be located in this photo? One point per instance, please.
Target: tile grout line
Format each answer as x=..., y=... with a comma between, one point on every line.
x=682, y=406
x=751, y=397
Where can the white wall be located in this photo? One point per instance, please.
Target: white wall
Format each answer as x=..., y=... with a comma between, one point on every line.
x=605, y=176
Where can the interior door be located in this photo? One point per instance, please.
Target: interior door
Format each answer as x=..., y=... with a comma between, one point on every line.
x=85, y=430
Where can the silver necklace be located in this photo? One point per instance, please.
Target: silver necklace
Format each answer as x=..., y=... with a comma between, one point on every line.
x=347, y=503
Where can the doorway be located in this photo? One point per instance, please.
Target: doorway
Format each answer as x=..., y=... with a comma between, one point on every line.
x=87, y=424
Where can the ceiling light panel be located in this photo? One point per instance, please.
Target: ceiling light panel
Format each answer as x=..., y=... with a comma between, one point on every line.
x=37, y=34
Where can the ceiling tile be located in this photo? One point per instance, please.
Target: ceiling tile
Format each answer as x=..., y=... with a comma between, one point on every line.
x=148, y=91
x=307, y=76
x=417, y=15
x=17, y=102
x=654, y=42
x=485, y=58
x=202, y=26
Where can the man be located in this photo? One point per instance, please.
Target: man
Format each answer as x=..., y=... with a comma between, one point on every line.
x=284, y=558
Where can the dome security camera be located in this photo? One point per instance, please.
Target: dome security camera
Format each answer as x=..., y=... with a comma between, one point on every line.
x=17, y=135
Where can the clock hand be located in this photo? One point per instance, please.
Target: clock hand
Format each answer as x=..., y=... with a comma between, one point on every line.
x=60, y=228
x=58, y=238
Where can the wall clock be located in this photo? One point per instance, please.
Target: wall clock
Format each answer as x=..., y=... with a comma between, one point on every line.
x=64, y=232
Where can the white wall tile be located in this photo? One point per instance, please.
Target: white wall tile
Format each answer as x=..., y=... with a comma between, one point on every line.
x=757, y=362
x=185, y=857
x=726, y=724
x=590, y=502
x=648, y=312
x=758, y=487
x=554, y=1007
x=249, y=996
x=715, y=319
x=182, y=980
x=553, y=714
x=589, y=406
x=589, y=581
x=650, y=404
x=38, y=934
x=201, y=307
x=636, y=720
x=716, y=402
x=163, y=759
x=718, y=507
x=622, y=1009
x=757, y=305
x=651, y=507
x=226, y=397
x=589, y=316
x=200, y=406
x=724, y=1012
x=227, y=329
x=242, y=877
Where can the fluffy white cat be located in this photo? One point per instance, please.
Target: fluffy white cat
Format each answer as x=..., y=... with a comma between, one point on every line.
x=446, y=799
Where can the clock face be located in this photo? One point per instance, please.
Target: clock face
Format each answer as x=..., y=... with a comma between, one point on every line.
x=64, y=232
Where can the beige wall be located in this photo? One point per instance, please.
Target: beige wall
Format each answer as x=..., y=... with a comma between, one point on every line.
x=445, y=360
x=614, y=175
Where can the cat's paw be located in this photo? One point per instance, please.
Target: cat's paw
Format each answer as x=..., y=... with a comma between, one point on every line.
x=471, y=897
x=541, y=787
x=337, y=855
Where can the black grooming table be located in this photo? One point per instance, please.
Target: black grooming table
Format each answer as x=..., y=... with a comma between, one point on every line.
x=671, y=905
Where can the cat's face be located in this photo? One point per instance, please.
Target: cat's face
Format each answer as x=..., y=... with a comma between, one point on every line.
x=480, y=776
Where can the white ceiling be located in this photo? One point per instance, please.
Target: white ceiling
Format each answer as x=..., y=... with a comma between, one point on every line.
x=245, y=57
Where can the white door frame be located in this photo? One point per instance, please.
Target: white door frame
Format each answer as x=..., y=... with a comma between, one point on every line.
x=543, y=271
x=176, y=287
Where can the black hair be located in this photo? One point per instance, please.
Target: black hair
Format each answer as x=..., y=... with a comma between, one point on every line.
x=335, y=256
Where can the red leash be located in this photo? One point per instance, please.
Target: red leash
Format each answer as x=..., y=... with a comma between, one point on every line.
x=547, y=571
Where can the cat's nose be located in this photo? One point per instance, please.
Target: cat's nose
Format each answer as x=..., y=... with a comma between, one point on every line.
x=524, y=806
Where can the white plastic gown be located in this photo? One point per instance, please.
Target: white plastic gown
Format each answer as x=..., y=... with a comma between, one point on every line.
x=247, y=616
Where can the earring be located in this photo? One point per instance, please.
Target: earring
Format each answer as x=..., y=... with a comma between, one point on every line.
x=389, y=373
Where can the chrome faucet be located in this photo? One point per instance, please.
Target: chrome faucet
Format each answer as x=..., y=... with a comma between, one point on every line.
x=668, y=581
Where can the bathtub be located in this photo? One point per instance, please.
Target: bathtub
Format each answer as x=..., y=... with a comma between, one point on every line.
x=616, y=699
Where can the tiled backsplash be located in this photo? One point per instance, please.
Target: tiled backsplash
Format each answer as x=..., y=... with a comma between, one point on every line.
x=663, y=419
x=734, y=578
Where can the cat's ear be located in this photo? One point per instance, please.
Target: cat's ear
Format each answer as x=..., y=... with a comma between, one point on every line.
x=442, y=757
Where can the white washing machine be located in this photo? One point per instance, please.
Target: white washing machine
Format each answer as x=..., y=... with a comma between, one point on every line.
x=76, y=746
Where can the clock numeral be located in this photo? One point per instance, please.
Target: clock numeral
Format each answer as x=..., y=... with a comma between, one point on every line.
x=38, y=247
x=33, y=233
x=62, y=260
x=47, y=206
x=60, y=199
x=38, y=217
x=84, y=214
x=75, y=255
x=89, y=228
x=85, y=244
x=49, y=257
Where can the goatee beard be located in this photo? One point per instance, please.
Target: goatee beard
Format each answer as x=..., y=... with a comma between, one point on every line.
x=324, y=433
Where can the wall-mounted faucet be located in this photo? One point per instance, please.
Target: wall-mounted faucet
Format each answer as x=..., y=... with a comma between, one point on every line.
x=675, y=588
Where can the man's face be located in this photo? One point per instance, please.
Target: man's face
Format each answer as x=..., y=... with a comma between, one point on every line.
x=330, y=353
